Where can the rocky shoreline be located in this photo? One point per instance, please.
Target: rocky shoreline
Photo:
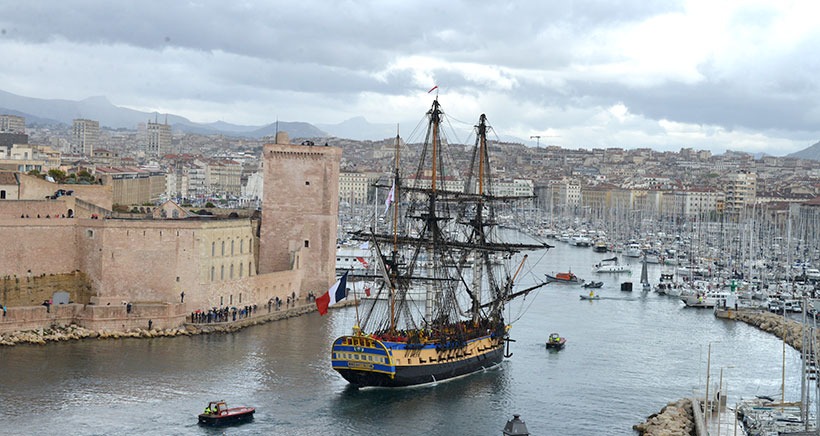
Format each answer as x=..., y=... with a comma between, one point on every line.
x=675, y=419
x=74, y=332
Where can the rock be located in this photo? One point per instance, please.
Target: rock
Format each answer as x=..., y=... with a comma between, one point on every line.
x=676, y=418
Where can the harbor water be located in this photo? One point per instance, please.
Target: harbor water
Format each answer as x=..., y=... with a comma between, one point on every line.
x=627, y=355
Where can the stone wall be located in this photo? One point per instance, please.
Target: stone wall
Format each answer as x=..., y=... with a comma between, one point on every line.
x=35, y=188
x=33, y=290
x=39, y=246
x=34, y=209
x=300, y=211
x=146, y=260
x=98, y=318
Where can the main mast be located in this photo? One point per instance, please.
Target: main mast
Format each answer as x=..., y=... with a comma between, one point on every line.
x=432, y=223
x=479, y=258
x=394, y=271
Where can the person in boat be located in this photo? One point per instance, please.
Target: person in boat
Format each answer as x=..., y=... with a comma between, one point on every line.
x=591, y=293
x=208, y=410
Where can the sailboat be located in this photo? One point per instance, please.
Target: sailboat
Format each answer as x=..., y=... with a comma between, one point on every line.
x=444, y=242
x=645, y=286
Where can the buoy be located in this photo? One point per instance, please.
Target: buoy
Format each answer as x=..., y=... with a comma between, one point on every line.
x=516, y=427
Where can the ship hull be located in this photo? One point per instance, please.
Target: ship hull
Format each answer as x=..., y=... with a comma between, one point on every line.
x=384, y=364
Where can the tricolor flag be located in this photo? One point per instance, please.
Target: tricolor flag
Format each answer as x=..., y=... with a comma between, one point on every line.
x=391, y=196
x=367, y=291
x=336, y=293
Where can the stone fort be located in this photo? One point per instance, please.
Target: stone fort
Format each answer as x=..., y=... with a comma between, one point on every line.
x=75, y=244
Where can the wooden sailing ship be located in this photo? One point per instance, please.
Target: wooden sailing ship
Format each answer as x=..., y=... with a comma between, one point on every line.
x=445, y=243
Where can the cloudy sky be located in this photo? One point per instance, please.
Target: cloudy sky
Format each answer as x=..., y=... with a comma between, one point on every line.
x=717, y=75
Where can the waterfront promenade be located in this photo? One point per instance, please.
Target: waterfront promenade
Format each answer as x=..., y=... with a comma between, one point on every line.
x=72, y=331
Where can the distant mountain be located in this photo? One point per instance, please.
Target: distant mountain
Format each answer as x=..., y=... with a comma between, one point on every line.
x=360, y=129
x=53, y=112
x=30, y=119
x=812, y=152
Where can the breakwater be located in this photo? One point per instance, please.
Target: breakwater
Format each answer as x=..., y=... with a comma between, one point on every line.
x=789, y=330
x=74, y=332
x=675, y=419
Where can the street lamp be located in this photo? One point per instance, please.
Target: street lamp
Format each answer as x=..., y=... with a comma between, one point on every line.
x=722, y=394
x=706, y=400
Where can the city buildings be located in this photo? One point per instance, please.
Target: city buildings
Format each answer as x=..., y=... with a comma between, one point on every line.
x=85, y=134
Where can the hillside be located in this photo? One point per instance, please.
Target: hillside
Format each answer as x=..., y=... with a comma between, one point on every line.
x=812, y=152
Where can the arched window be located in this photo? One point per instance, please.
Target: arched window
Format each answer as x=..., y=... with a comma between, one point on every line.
x=222, y=272
x=231, y=271
x=241, y=271
x=223, y=248
x=241, y=246
x=231, y=247
x=213, y=249
x=212, y=273
x=249, y=269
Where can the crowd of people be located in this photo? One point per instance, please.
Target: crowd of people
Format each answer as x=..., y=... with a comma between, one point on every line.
x=232, y=313
x=224, y=314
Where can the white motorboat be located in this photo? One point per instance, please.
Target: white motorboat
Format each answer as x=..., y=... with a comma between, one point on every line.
x=705, y=299
x=633, y=249
x=581, y=240
x=610, y=266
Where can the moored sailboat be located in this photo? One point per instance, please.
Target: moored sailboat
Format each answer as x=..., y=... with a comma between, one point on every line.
x=459, y=328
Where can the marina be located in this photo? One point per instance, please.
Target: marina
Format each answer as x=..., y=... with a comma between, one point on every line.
x=629, y=356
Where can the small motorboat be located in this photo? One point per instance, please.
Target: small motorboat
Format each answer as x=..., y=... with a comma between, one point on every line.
x=564, y=277
x=556, y=342
x=593, y=284
x=590, y=296
x=218, y=413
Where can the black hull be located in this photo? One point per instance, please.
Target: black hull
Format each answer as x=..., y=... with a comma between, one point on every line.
x=423, y=374
x=215, y=421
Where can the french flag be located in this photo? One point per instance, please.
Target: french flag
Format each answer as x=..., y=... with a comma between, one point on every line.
x=336, y=293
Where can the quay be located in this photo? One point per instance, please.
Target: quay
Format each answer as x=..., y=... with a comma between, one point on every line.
x=72, y=331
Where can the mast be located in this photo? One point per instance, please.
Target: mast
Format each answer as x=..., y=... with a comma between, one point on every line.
x=432, y=223
x=394, y=192
x=478, y=259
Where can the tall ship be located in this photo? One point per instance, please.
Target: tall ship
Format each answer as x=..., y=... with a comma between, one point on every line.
x=443, y=242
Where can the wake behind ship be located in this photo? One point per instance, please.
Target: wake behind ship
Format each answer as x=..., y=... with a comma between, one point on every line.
x=444, y=243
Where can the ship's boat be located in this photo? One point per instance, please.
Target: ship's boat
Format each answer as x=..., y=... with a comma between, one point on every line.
x=564, y=277
x=218, y=413
x=443, y=242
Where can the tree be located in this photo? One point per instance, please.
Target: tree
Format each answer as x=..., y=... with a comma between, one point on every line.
x=57, y=175
x=85, y=176
x=209, y=204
